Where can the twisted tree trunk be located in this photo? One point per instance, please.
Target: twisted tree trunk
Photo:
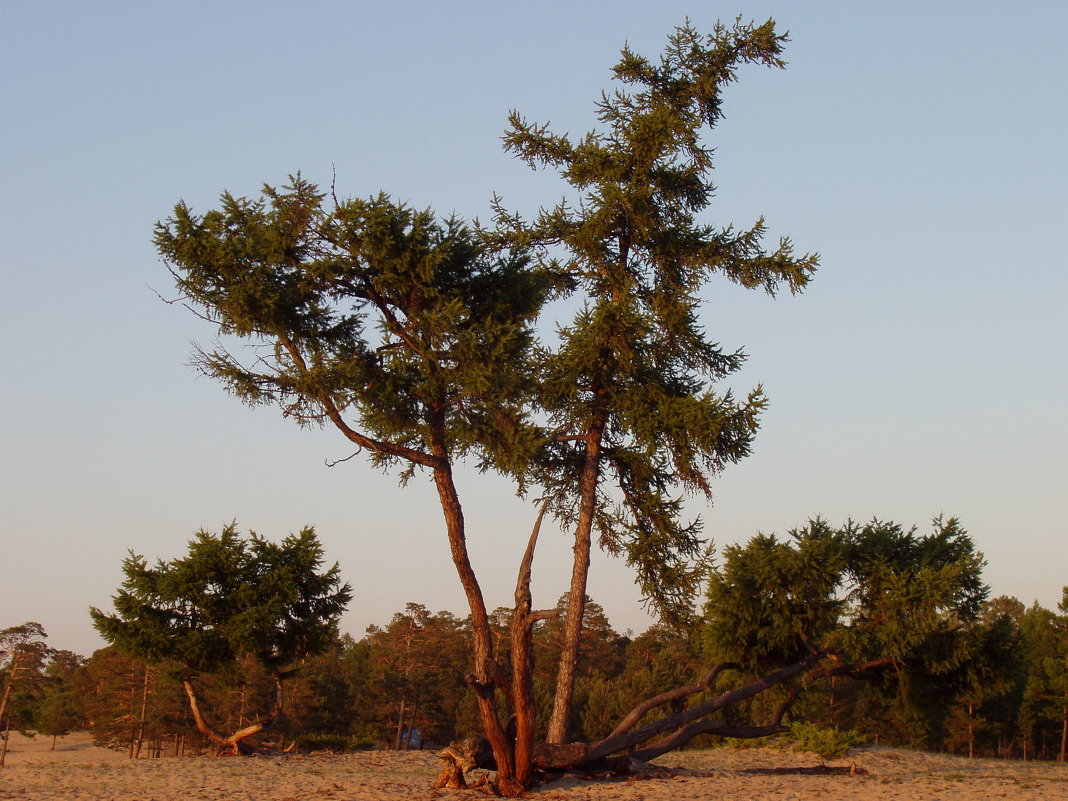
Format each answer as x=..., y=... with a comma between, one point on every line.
x=519, y=746
x=234, y=744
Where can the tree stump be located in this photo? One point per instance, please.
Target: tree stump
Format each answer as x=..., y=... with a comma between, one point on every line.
x=460, y=758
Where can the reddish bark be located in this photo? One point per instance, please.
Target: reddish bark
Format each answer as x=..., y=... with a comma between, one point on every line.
x=233, y=744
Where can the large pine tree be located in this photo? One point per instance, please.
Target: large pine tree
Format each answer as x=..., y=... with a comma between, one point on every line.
x=413, y=336
x=630, y=391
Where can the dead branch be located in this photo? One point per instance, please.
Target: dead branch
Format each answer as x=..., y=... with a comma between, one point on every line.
x=637, y=713
x=680, y=720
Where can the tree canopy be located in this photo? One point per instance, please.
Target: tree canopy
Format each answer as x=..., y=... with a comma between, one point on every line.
x=23, y=654
x=414, y=337
x=902, y=611
x=228, y=599
x=868, y=591
x=401, y=329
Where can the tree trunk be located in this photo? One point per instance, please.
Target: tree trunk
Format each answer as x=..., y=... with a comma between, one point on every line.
x=971, y=731
x=411, y=721
x=576, y=598
x=398, y=733
x=1064, y=737
x=13, y=669
x=488, y=674
x=141, y=722
x=632, y=745
x=233, y=744
x=474, y=752
x=7, y=739
x=523, y=620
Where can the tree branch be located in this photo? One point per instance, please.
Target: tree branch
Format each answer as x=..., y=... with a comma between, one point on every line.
x=638, y=712
x=332, y=412
x=611, y=745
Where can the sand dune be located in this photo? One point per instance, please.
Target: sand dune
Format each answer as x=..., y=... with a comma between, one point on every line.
x=77, y=770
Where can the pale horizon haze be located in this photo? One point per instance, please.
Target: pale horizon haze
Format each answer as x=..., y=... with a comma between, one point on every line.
x=919, y=147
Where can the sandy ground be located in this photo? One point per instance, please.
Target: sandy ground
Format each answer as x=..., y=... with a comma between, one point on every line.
x=76, y=770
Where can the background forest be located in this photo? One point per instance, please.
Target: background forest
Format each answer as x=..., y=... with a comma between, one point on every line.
x=401, y=687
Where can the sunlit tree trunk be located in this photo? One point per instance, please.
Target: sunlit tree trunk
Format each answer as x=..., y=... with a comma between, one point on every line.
x=141, y=721
x=398, y=732
x=576, y=600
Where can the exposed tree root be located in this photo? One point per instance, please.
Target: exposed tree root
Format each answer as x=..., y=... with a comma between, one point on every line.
x=816, y=770
x=552, y=762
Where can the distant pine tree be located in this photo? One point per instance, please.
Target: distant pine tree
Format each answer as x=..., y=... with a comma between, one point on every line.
x=228, y=600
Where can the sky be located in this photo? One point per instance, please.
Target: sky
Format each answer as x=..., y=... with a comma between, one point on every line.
x=917, y=146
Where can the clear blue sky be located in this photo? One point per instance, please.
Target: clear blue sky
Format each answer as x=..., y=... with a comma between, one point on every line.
x=918, y=146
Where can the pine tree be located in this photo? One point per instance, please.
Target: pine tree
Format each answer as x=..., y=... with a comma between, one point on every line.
x=57, y=712
x=406, y=333
x=229, y=600
x=876, y=602
x=23, y=654
x=413, y=337
x=630, y=392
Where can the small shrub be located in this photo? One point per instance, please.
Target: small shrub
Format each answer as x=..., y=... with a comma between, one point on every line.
x=827, y=743
x=362, y=742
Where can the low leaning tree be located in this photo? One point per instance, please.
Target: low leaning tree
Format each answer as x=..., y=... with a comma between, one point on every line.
x=877, y=603
x=226, y=600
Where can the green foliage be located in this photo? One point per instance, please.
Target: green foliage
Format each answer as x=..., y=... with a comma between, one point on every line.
x=871, y=592
x=379, y=318
x=226, y=599
x=23, y=656
x=771, y=599
x=657, y=659
x=110, y=688
x=1043, y=711
x=334, y=693
x=631, y=384
x=827, y=743
x=57, y=715
x=804, y=737
x=879, y=602
x=417, y=663
x=346, y=697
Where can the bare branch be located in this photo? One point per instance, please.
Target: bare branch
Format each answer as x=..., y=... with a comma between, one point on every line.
x=336, y=462
x=522, y=587
x=637, y=713
x=611, y=745
x=333, y=186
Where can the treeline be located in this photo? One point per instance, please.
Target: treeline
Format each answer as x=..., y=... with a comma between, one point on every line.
x=402, y=686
